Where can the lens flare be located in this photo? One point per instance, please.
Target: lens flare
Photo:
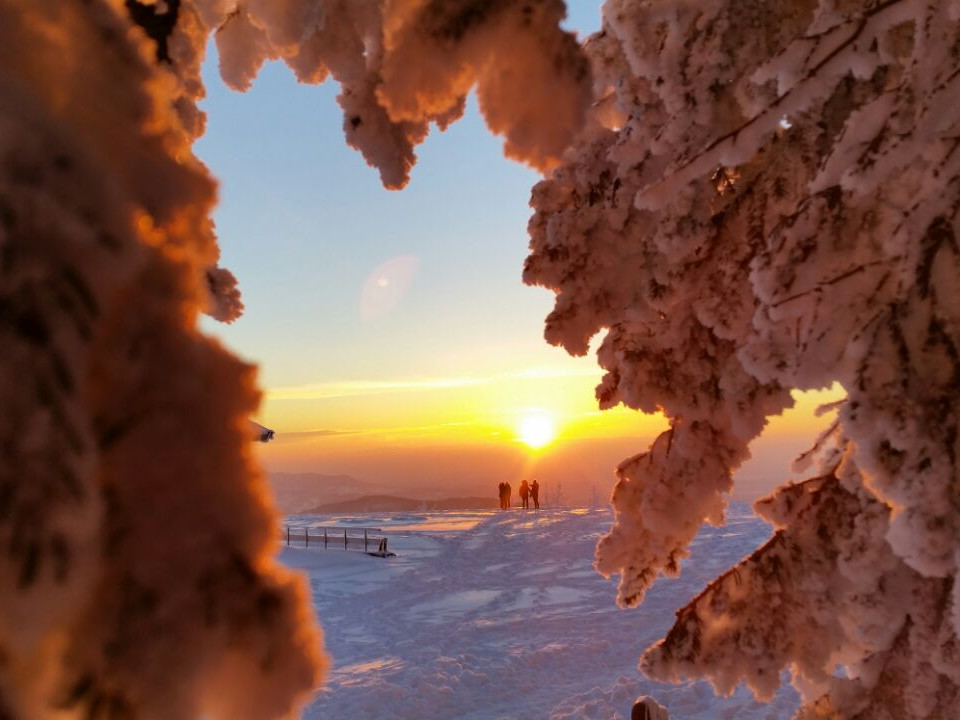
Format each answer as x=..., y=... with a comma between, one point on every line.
x=385, y=287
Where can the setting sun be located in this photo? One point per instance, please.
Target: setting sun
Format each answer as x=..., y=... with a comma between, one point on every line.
x=536, y=430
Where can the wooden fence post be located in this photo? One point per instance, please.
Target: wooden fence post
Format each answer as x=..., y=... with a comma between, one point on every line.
x=381, y=542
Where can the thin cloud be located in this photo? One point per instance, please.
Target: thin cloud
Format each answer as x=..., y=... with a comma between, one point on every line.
x=320, y=432
x=326, y=391
x=356, y=388
x=402, y=431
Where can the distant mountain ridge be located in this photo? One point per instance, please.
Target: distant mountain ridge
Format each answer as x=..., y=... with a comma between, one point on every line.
x=298, y=492
x=392, y=503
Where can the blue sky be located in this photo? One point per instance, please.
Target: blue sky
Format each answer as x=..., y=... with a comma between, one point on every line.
x=303, y=221
x=438, y=387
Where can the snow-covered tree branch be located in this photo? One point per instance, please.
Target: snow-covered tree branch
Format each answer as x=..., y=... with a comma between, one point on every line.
x=137, y=539
x=748, y=196
x=136, y=577
x=767, y=200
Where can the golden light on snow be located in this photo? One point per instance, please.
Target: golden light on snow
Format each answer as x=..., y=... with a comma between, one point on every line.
x=537, y=429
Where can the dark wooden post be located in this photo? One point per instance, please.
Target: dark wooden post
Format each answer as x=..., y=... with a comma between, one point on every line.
x=306, y=537
x=288, y=536
x=324, y=537
x=364, y=540
x=344, y=538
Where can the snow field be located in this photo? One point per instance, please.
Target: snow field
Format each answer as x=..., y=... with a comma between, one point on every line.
x=501, y=616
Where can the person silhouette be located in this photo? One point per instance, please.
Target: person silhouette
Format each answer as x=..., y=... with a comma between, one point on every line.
x=525, y=494
x=535, y=494
x=507, y=496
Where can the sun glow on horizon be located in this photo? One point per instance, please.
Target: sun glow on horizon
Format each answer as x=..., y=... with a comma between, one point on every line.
x=478, y=408
x=537, y=429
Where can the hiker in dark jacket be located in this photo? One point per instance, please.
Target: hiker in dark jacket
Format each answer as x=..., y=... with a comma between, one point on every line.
x=525, y=494
x=535, y=494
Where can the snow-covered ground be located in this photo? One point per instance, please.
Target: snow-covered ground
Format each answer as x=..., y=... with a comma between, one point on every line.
x=488, y=616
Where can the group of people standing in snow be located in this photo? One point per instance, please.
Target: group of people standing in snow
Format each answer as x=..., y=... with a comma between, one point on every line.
x=528, y=492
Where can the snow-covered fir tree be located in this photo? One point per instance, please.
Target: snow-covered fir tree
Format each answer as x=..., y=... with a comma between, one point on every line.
x=747, y=196
x=766, y=199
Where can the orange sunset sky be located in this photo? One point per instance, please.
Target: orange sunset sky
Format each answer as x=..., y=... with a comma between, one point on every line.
x=395, y=340
x=450, y=436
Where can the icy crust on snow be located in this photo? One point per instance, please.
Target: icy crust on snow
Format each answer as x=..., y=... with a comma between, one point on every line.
x=766, y=198
x=136, y=539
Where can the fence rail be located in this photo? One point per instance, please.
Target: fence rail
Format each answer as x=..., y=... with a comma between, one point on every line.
x=368, y=540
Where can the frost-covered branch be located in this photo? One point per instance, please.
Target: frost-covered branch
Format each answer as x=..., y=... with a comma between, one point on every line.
x=766, y=199
x=760, y=197
x=137, y=540
x=403, y=65
x=137, y=577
